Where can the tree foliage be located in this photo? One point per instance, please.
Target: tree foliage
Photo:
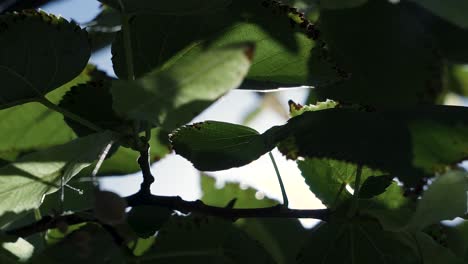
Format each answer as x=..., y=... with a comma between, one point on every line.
x=376, y=144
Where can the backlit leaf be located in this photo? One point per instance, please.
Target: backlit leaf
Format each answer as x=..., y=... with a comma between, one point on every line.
x=328, y=179
x=244, y=198
x=23, y=183
x=213, y=145
x=176, y=95
x=32, y=126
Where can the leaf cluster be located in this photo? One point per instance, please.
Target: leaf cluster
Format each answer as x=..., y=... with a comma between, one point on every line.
x=376, y=144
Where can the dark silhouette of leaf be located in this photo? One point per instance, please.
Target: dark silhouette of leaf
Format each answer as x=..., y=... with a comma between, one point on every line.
x=60, y=53
x=357, y=241
x=375, y=185
x=204, y=239
x=409, y=144
x=390, y=56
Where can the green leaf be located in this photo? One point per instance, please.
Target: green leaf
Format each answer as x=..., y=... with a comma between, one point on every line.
x=54, y=236
x=203, y=239
x=457, y=239
x=213, y=145
x=338, y=4
x=357, y=241
x=457, y=79
x=381, y=32
x=451, y=10
x=77, y=199
x=393, y=198
x=283, y=48
x=32, y=126
x=433, y=253
x=375, y=185
x=392, y=209
x=23, y=183
x=408, y=143
x=327, y=178
x=27, y=134
x=140, y=246
x=60, y=53
x=169, y=8
x=89, y=244
x=244, y=198
x=147, y=219
x=445, y=199
x=273, y=233
x=174, y=96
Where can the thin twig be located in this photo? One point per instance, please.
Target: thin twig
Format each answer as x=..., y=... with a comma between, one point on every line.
x=49, y=222
x=280, y=181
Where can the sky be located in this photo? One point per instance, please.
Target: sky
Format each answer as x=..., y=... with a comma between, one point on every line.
x=175, y=175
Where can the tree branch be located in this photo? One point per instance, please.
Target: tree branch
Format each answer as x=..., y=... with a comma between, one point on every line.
x=173, y=203
x=177, y=203
x=49, y=222
x=144, y=162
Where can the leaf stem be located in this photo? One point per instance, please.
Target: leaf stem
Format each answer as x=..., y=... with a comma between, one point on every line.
x=44, y=101
x=280, y=181
x=357, y=187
